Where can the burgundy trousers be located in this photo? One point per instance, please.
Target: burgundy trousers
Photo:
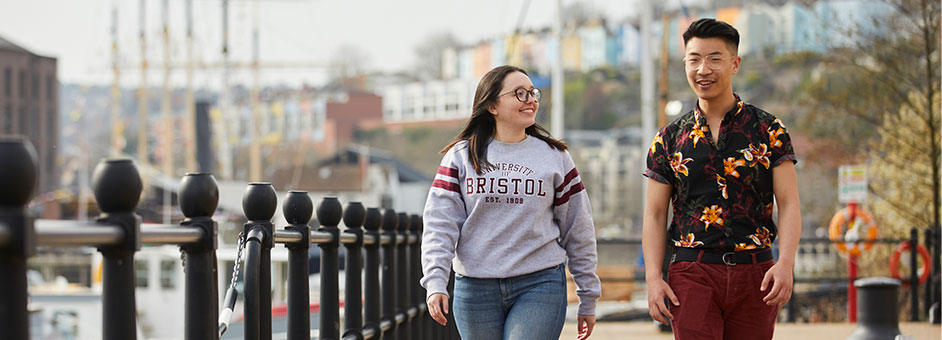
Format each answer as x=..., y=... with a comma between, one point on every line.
x=720, y=302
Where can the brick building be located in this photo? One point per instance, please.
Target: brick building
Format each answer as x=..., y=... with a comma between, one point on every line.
x=29, y=104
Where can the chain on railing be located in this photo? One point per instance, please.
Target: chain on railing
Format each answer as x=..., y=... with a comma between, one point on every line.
x=118, y=234
x=232, y=294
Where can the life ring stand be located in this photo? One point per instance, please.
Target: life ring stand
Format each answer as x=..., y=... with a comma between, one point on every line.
x=839, y=226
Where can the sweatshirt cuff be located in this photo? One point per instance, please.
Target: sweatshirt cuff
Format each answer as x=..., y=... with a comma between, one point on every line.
x=435, y=287
x=587, y=306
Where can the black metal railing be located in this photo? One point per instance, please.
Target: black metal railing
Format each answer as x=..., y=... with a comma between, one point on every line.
x=930, y=288
x=394, y=308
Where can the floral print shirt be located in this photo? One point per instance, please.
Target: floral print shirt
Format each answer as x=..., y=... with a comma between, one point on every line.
x=722, y=193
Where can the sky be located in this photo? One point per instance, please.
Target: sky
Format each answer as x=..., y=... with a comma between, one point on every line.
x=305, y=33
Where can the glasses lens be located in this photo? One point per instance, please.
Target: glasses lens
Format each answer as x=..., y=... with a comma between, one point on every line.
x=521, y=94
x=715, y=63
x=692, y=63
x=537, y=94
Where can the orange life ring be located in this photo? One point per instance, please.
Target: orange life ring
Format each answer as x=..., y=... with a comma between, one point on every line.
x=839, y=227
x=923, y=271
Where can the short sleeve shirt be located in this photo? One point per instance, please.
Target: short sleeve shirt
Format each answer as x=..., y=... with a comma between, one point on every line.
x=722, y=193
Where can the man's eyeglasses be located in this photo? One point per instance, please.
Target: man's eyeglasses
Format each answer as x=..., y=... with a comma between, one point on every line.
x=523, y=95
x=712, y=62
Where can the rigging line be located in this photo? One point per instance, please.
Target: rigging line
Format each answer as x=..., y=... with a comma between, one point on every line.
x=515, y=37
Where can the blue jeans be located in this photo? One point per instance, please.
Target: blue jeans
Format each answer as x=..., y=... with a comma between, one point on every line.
x=530, y=306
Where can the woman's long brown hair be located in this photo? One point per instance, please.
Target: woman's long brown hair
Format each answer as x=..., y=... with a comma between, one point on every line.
x=482, y=125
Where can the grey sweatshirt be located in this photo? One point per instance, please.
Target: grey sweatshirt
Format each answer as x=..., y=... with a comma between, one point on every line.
x=529, y=213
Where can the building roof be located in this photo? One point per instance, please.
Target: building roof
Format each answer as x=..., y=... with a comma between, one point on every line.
x=406, y=173
x=6, y=45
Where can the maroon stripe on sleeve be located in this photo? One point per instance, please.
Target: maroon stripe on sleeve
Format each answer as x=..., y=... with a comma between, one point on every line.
x=572, y=191
x=446, y=185
x=572, y=174
x=444, y=170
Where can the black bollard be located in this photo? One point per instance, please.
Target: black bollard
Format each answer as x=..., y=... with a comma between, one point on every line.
x=877, y=310
x=329, y=213
x=353, y=218
x=19, y=175
x=371, y=296
x=259, y=203
x=297, y=210
x=117, y=187
x=390, y=222
x=198, y=197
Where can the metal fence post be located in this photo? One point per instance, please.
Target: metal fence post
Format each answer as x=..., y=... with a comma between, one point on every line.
x=402, y=275
x=934, y=278
x=117, y=187
x=371, y=299
x=390, y=221
x=415, y=266
x=913, y=275
x=353, y=218
x=19, y=176
x=452, y=329
x=927, y=290
x=297, y=210
x=259, y=203
x=329, y=213
x=198, y=198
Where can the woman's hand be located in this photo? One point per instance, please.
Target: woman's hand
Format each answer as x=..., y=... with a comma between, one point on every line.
x=585, y=324
x=438, y=307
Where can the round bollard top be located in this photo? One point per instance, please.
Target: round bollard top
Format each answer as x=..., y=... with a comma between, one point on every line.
x=199, y=195
x=329, y=211
x=18, y=171
x=117, y=185
x=390, y=220
x=404, y=222
x=877, y=282
x=298, y=207
x=373, y=219
x=354, y=215
x=416, y=223
x=259, y=201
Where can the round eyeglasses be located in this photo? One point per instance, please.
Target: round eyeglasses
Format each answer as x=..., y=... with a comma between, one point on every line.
x=711, y=62
x=523, y=95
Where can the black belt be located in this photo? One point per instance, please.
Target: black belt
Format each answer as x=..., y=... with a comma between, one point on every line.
x=719, y=257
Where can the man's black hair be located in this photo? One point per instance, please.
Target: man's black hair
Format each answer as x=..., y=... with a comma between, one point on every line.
x=712, y=28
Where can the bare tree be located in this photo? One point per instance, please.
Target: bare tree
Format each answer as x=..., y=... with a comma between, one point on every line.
x=879, y=94
x=428, y=54
x=348, y=62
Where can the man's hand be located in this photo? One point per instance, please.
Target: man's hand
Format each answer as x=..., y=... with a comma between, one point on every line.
x=438, y=307
x=657, y=291
x=780, y=275
x=585, y=324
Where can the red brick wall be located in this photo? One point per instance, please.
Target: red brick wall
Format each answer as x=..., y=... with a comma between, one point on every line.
x=360, y=111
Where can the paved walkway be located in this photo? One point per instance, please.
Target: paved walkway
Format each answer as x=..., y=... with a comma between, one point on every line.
x=783, y=331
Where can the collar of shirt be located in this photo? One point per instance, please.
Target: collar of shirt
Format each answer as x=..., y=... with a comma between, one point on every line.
x=734, y=111
x=702, y=128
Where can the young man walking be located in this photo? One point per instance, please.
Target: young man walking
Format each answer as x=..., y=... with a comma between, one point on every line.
x=722, y=166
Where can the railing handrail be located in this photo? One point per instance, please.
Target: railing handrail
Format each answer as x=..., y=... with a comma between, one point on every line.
x=90, y=233
x=76, y=233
